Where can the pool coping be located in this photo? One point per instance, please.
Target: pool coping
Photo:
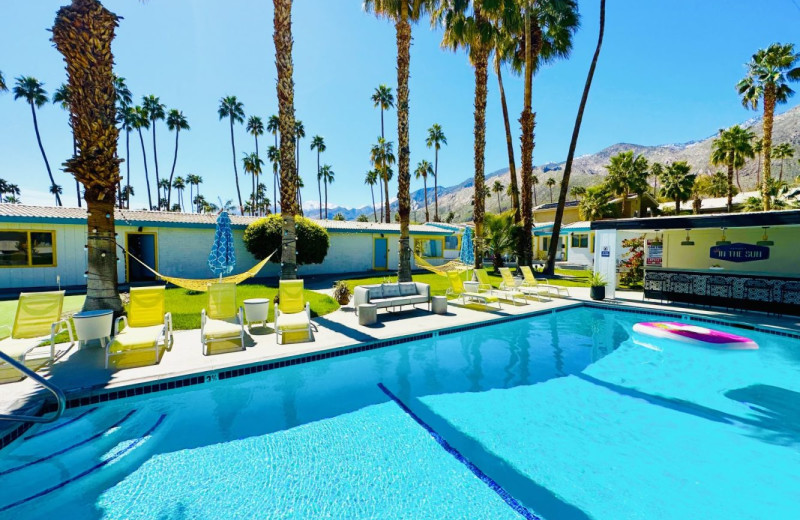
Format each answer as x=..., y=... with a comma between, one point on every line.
x=91, y=395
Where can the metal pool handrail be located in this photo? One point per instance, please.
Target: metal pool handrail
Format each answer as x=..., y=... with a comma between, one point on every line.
x=61, y=400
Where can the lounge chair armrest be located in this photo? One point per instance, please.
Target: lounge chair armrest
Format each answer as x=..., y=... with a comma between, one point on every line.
x=168, y=321
x=240, y=315
x=117, y=322
x=56, y=328
x=308, y=310
x=6, y=334
x=203, y=319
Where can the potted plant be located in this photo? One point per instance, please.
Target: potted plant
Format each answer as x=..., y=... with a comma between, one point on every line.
x=341, y=292
x=597, y=286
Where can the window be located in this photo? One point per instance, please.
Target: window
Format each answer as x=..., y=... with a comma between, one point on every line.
x=27, y=249
x=545, y=243
x=451, y=242
x=580, y=240
x=430, y=248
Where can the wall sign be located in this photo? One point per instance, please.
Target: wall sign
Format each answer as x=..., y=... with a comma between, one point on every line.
x=605, y=253
x=740, y=252
x=655, y=253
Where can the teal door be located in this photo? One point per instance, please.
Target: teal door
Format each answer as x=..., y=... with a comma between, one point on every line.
x=381, y=255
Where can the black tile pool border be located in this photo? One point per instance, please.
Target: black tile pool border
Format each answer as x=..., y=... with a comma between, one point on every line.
x=102, y=396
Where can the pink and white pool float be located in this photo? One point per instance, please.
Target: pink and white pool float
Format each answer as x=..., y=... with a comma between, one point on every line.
x=695, y=335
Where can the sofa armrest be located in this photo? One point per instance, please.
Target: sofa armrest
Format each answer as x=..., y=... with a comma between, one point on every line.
x=360, y=295
x=423, y=289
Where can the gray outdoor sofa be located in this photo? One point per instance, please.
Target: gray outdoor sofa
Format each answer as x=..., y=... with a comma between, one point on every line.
x=393, y=295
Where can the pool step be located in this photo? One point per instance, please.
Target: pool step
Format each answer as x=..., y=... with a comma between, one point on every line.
x=30, y=473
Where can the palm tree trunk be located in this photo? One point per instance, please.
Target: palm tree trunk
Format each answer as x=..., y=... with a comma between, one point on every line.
x=769, y=112
x=155, y=160
x=425, y=187
x=172, y=173
x=403, y=29
x=127, y=169
x=436, y=183
x=387, y=209
x=44, y=156
x=499, y=208
x=535, y=203
x=758, y=170
x=512, y=168
x=319, y=189
x=780, y=175
x=101, y=279
x=562, y=197
x=380, y=192
x=481, y=59
x=146, y=176
x=527, y=122
x=282, y=38
x=255, y=180
x=730, y=187
x=77, y=183
x=678, y=206
x=236, y=171
x=374, y=213
x=326, y=199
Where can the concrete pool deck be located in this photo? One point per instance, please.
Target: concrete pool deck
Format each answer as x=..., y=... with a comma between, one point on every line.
x=80, y=372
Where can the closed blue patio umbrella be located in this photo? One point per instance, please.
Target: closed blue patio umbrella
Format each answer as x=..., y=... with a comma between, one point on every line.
x=467, y=253
x=222, y=258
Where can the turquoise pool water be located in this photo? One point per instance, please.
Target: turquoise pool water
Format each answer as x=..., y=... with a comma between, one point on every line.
x=560, y=416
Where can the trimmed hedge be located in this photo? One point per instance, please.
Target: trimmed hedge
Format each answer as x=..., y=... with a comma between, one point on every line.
x=264, y=236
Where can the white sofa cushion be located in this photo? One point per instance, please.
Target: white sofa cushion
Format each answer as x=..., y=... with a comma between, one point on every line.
x=408, y=289
x=390, y=290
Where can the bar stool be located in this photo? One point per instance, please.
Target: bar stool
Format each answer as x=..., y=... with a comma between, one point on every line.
x=719, y=287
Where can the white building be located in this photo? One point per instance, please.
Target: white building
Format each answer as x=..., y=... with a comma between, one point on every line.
x=43, y=247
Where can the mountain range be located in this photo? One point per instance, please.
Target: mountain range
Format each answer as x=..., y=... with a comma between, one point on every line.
x=589, y=170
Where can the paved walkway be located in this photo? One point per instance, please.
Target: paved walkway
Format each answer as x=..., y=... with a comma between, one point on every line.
x=80, y=372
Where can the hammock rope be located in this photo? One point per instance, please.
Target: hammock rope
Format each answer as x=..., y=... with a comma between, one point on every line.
x=441, y=270
x=201, y=285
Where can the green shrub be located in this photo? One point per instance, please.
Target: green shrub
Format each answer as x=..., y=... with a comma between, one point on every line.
x=263, y=236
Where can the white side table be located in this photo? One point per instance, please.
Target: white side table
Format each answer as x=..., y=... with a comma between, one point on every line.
x=255, y=310
x=439, y=304
x=93, y=325
x=367, y=314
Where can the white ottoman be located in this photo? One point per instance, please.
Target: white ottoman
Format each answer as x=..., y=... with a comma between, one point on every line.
x=367, y=314
x=439, y=304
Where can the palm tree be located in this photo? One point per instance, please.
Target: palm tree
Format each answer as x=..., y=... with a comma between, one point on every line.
x=503, y=52
x=261, y=196
x=534, y=182
x=318, y=143
x=594, y=205
x=61, y=96
x=768, y=75
x=127, y=193
x=273, y=126
x=93, y=109
x=193, y=180
x=656, y=171
x=372, y=179
x=550, y=183
x=255, y=127
x=498, y=235
x=233, y=109
x=577, y=192
x=435, y=140
x=299, y=133
x=424, y=168
x=3, y=87
x=700, y=189
x=546, y=35
x=122, y=93
x=467, y=25
x=127, y=119
x=155, y=112
x=677, y=183
x=382, y=157
x=274, y=156
x=140, y=120
x=719, y=185
x=327, y=178
x=731, y=149
x=175, y=121
x=384, y=99
x=282, y=37
x=56, y=190
x=758, y=149
x=252, y=165
x=627, y=173
x=179, y=186
x=163, y=188
x=498, y=188
x=199, y=202
x=562, y=197
x=32, y=91
x=782, y=151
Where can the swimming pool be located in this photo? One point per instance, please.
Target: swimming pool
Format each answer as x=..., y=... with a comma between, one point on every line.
x=558, y=416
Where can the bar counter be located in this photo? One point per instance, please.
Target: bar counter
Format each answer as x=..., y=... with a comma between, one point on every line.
x=767, y=292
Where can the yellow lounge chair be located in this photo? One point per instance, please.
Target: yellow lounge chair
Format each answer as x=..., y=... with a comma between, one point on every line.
x=222, y=325
x=147, y=332
x=457, y=289
x=510, y=282
x=531, y=281
x=292, y=314
x=38, y=318
x=510, y=293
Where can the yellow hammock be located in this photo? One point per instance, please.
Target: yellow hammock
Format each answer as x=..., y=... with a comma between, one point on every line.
x=202, y=284
x=442, y=270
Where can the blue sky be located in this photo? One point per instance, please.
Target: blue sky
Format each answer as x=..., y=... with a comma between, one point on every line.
x=666, y=74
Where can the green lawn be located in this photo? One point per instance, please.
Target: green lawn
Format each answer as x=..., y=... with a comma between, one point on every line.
x=439, y=284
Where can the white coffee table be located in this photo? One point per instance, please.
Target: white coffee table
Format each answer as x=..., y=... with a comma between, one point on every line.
x=367, y=314
x=93, y=325
x=255, y=310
